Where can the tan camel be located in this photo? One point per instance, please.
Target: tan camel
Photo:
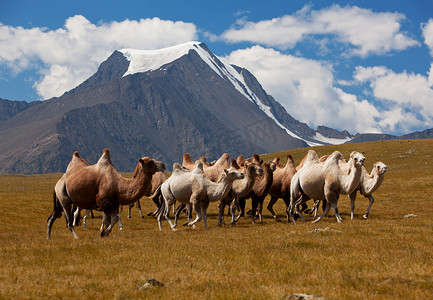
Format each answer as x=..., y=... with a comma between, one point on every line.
x=101, y=187
x=280, y=188
x=61, y=199
x=195, y=188
x=368, y=184
x=325, y=181
x=239, y=188
x=259, y=191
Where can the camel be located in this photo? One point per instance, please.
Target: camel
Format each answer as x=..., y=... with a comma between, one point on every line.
x=101, y=187
x=240, y=188
x=259, y=191
x=195, y=188
x=61, y=198
x=324, y=181
x=280, y=188
x=368, y=184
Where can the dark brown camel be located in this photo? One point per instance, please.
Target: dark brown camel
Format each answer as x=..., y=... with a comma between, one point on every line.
x=101, y=187
x=280, y=188
x=259, y=191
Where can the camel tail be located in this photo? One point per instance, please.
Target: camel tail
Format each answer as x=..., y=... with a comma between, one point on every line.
x=156, y=194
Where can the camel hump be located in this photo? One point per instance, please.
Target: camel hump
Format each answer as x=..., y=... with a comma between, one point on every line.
x=76, y=154
x=290, y=161
x=105, y=158
x=324, y=158
x=234, y=164
x=334, y=158
x=311, y=157
x=257, y=160
x=240, y=160
x=198, y=166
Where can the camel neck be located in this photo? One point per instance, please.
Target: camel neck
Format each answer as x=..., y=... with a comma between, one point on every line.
x=219, y=190
x=131, y=190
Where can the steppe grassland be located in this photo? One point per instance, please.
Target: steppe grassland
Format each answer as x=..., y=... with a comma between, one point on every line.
x=387, y=256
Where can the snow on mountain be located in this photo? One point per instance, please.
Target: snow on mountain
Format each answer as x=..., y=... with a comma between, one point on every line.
x=149, y=60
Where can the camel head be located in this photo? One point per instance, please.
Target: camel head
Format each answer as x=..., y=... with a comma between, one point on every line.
x=252, y=169
x=150, y=165
x=380, y=167
x=233, y=175
x=358, y=158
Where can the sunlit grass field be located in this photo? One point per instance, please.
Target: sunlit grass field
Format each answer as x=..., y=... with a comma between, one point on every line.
x=388, y=256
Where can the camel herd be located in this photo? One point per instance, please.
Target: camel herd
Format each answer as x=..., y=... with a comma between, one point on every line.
x=194, y=185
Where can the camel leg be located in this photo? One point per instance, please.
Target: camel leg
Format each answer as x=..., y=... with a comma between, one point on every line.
x=130, y=206
x=111, y=219
x=167, y=216
x=204, y=214
x=139, y=209
x=352, y=197
x=158, y=202
x=271, y=209
x=286, y=200
x=335, y=209
x=371, y=198
x=177, y=213
x=325, y=212
x=297, y=203
x=221, y=208
x=86, y=215
x=120, y=223
x=77, y=216
x=67, y=209
x=197, y=208
x=57, y=213
x=241, y=202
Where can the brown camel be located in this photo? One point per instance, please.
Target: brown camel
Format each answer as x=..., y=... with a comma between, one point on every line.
x=101, y=187
x=280, y=188
x=259, y=191
x=61, y=198
x=240, y=188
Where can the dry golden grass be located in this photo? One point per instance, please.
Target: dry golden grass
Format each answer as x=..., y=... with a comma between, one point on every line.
x=385, y=257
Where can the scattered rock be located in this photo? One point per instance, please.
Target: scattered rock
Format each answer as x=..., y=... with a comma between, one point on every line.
x=151, y=283
x=324, y=229
x=300, y=296
x=411, y=216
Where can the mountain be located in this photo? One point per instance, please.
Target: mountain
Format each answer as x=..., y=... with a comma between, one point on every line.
x=373, y=137
x=159, y=103
x=9, y=108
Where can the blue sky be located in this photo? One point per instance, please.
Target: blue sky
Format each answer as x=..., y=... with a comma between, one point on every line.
x=364, y=66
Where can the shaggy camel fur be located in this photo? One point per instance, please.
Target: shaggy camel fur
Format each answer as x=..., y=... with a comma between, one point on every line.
x=325, y=181
x=280, y=188
x=61, y=198
x=368, y=184
x=240, y=188
x=195, y=188
x=259, y=191
x=100, y=187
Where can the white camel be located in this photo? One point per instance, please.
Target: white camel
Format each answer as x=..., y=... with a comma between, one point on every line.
x=368, y=184
x=325, y=181
x=195, y=188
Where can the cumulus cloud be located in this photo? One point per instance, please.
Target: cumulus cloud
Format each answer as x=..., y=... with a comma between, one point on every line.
x=427, y=32
x=366, y=32
x=411, y=93
x=67, y=56
x=306, y=90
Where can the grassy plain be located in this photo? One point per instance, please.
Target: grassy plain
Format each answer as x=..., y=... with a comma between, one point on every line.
x=387, y=256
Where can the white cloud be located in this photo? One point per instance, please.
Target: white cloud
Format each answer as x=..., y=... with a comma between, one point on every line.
x=366, y=31
x=427, y=32
x=71, y=54
x=306, y=90
x=409, y=95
